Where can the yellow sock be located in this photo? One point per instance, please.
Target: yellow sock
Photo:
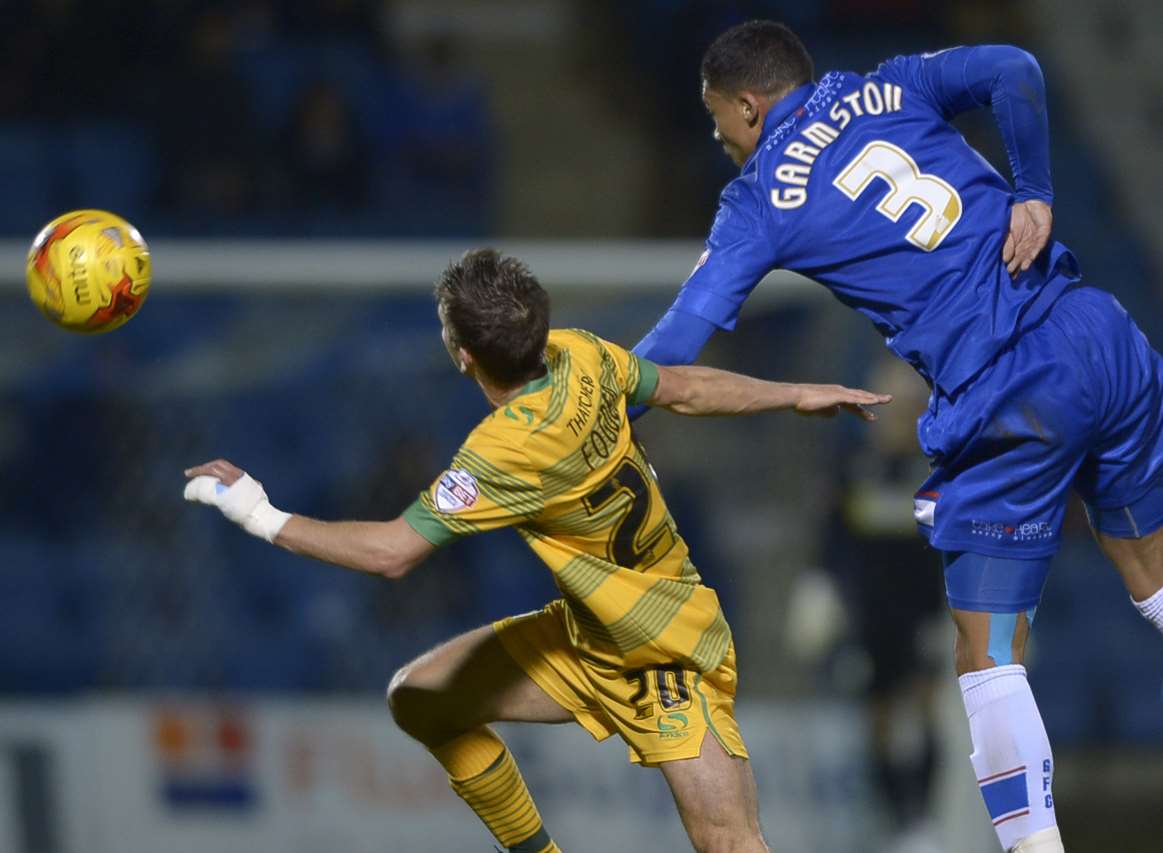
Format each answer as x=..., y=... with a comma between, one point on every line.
x=483, y=773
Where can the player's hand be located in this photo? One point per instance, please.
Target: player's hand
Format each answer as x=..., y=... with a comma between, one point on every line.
x=1030, y=223
x=225, y=472
x=826, y=401
x=240, y=497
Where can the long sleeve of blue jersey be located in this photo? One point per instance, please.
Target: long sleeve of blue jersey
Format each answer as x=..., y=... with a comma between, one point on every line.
x=738, y=254
x=676, y=339
x=1005, y=78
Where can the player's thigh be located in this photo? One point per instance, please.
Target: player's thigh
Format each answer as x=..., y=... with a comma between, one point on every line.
x=468, y=681
x=716, y=798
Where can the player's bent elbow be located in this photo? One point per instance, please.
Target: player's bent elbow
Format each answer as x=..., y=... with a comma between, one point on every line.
x=383, y=558
x=394, y=566
x=396, y=549
x=1020, y=64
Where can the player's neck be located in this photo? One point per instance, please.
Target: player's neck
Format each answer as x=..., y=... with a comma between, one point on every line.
x=498, y=395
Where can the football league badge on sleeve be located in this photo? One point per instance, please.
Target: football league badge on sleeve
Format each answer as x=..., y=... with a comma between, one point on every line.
x=456, y=490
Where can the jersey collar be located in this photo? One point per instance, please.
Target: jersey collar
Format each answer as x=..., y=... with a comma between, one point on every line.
x=787, y=105
x=535, y=385
x=780, y=112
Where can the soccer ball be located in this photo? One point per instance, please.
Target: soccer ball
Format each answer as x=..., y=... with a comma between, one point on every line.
x=88, y=271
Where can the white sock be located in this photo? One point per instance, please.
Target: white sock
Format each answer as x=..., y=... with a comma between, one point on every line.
x=1152, y=609
x=1042, y=841
x=1011, y=753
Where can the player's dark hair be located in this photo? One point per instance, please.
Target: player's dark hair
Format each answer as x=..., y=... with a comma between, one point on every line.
x=497, y=310
x=759, y=56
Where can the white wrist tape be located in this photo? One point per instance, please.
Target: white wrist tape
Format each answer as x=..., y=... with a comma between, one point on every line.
x=245, y=503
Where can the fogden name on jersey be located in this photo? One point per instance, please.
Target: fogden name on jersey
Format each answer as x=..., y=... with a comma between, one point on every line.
x=456, y=490
x=872, y=100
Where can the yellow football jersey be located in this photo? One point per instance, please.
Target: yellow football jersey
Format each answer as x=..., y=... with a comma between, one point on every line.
x=559, y=464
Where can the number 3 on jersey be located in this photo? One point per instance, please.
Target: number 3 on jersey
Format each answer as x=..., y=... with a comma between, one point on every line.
x=907, y=185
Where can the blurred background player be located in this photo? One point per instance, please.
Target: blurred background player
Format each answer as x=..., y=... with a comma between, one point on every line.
x=1038, y=383
x=637, y=645
x=872, y=619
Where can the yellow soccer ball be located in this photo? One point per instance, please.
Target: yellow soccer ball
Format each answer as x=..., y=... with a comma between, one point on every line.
x=88, y=271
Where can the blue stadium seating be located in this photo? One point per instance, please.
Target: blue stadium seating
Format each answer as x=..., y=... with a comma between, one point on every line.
x=32, y=175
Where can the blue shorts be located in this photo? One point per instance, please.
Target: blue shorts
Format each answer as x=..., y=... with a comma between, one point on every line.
x=1076, y=402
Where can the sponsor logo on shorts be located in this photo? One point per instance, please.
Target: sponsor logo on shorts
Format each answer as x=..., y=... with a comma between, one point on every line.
x=1026, y=531
x=673, y=725
x=1030, y=530
x=456, y=490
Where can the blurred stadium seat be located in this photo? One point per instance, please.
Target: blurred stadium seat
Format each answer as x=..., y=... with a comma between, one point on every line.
x=31, y=177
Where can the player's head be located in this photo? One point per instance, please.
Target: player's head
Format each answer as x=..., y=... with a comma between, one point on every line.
x=746, y=70
x=495, y=317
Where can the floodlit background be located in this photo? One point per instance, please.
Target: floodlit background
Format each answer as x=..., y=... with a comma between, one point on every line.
x=302, y=171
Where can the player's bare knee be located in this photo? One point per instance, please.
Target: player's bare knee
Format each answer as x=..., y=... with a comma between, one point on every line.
x=968, y=659
x=968, y=662
x=417, y=707
x=988, y=640
x=392, y=693
x=405, y=699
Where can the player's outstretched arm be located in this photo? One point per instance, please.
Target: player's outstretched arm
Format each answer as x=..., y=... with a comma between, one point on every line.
x=388, y=548
x=704, y=391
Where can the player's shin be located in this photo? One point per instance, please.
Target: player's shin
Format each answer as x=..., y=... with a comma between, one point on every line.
x=482, y=772
x=1011, y=754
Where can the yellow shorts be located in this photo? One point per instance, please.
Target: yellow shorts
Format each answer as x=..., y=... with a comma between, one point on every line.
x=662, y=713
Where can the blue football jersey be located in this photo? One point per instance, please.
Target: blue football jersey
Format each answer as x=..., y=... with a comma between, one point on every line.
x=861, y=183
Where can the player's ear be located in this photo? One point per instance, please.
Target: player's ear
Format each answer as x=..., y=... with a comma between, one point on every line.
x=749, y=108
x=464, y=361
